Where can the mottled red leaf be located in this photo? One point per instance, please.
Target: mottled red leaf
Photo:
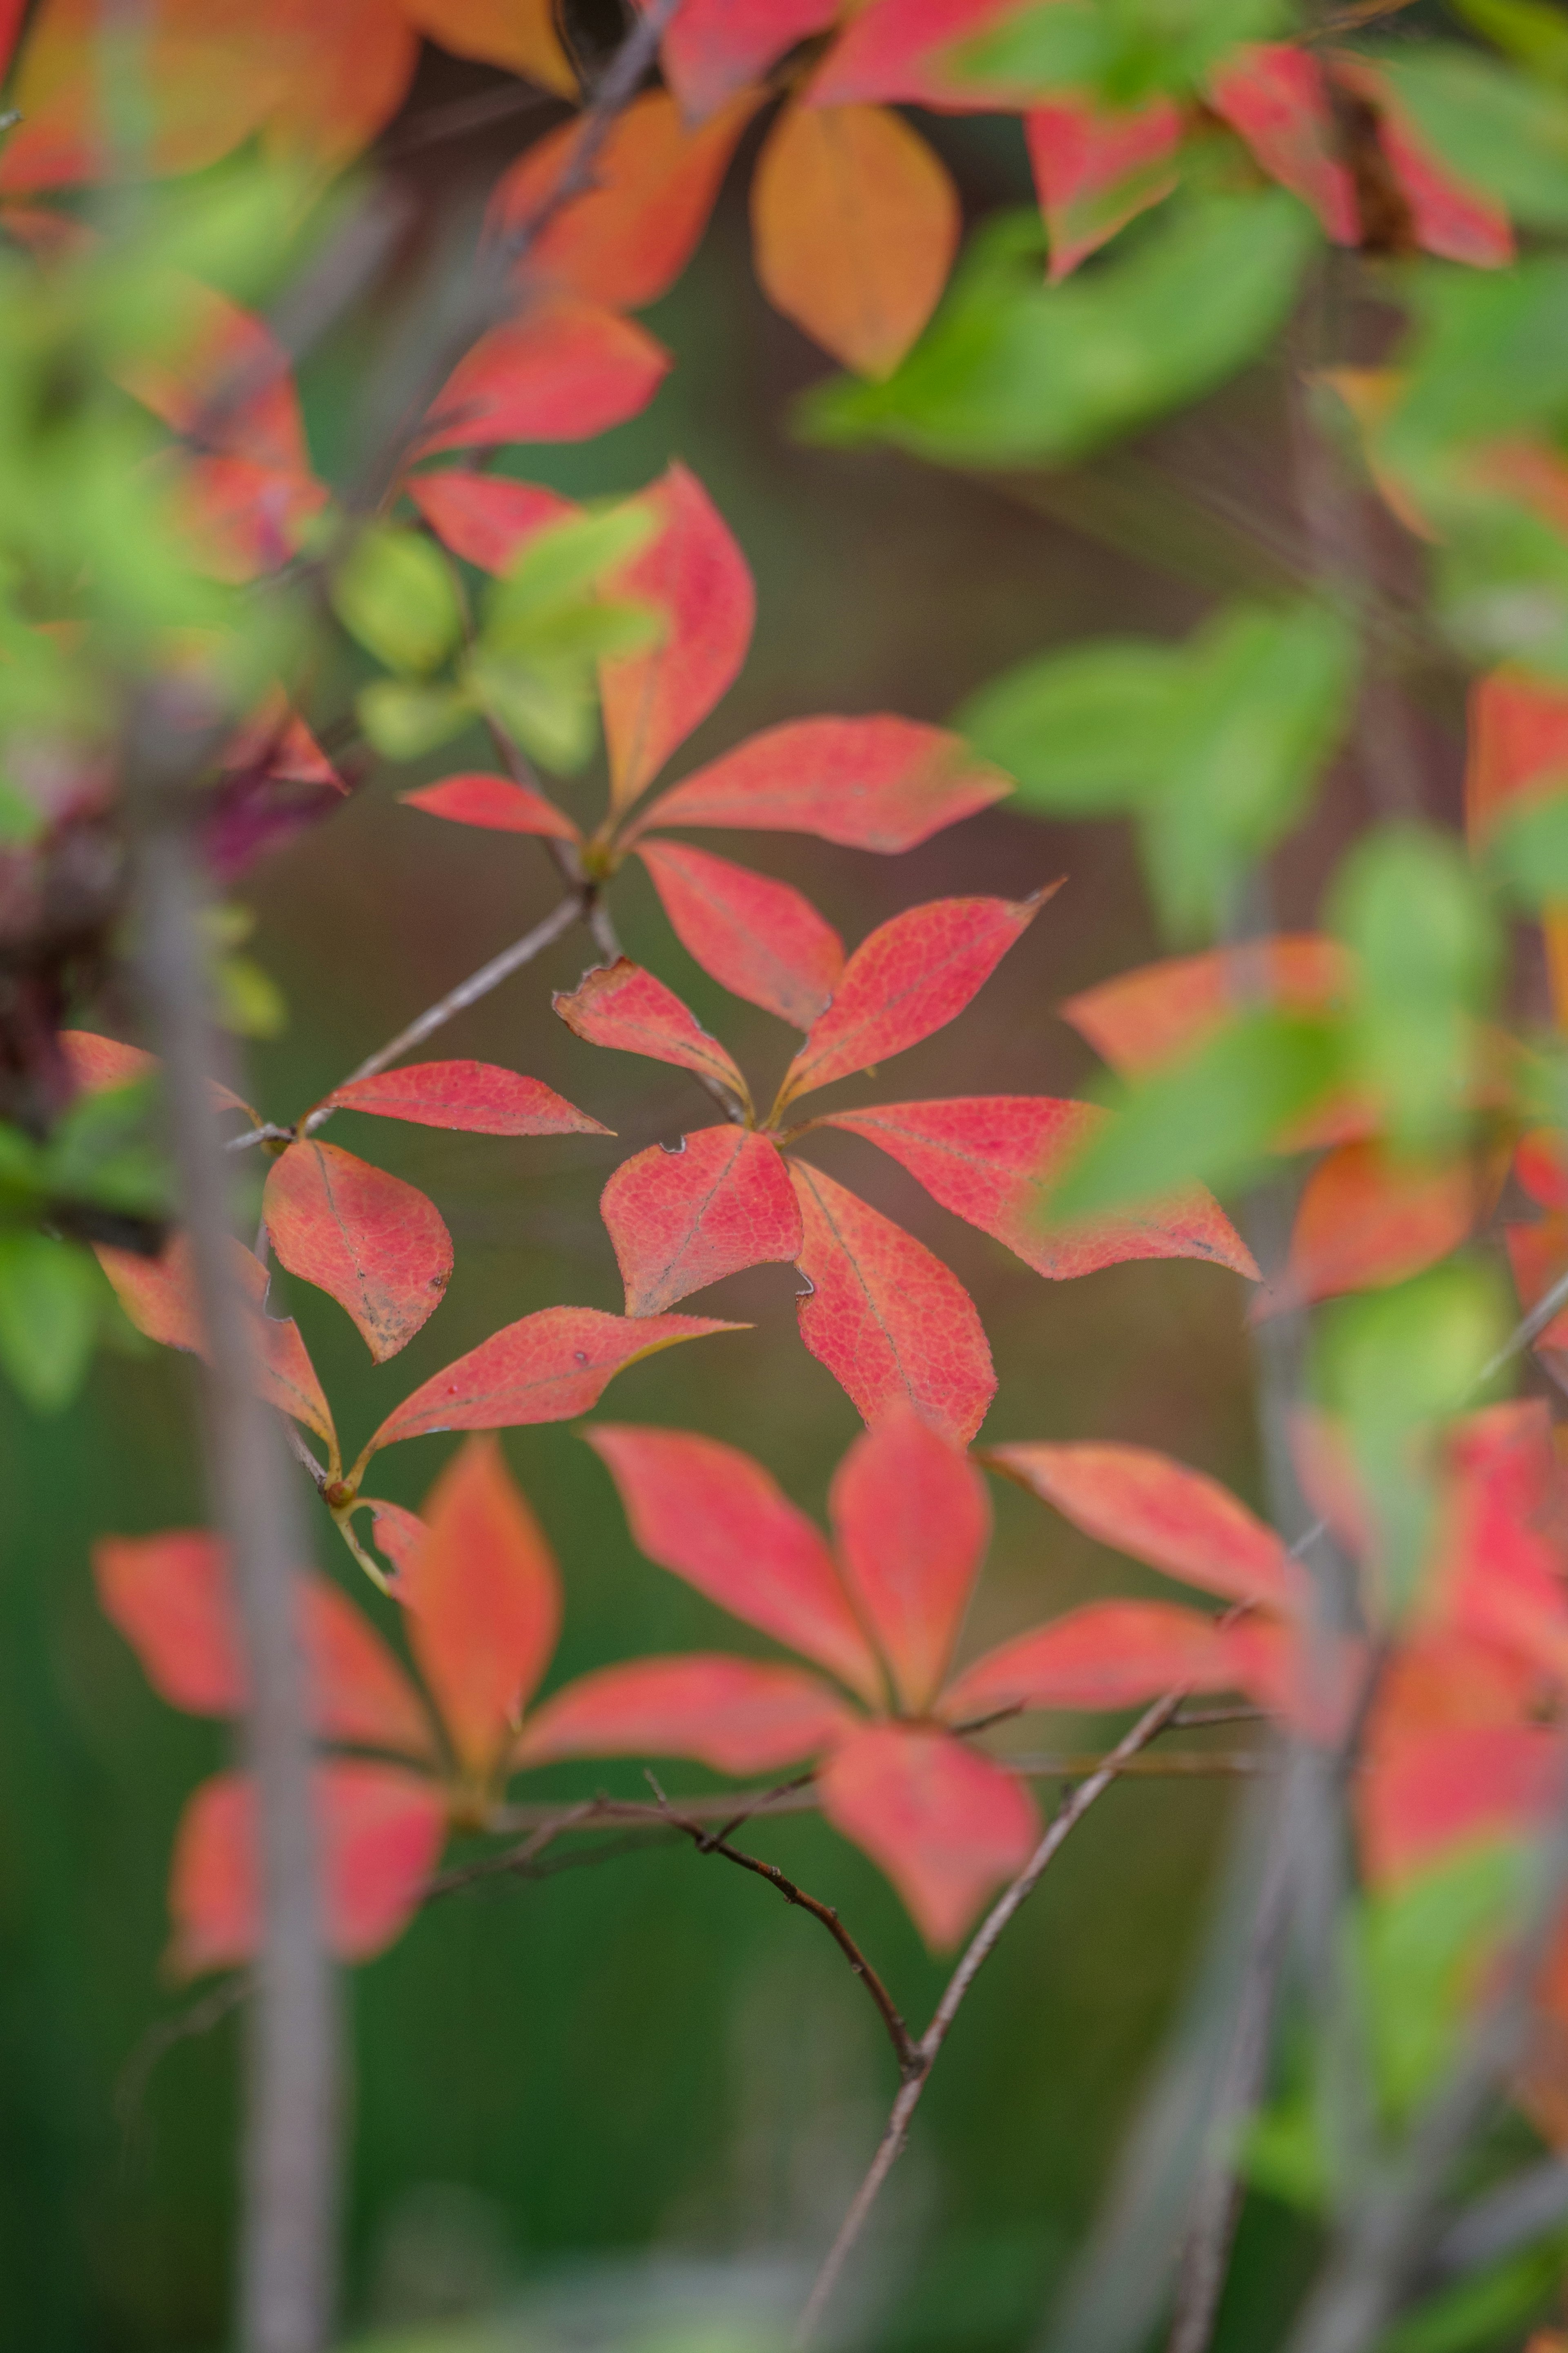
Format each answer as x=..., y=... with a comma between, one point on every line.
x=1448, y=217
x=855, y=223
x=479, y=1097
x=627, y=240
x=682, y=1218
x=1277, y=97
x=867, y=783
x=517, y=34
x=487, y=519
x=621, y=1005
x=912, y=1519
x=1366, y=1219
x=546, y=1368
x=898, y=50
x=695, y=578
x=1160, y=1512
x=712, y=1515
x=914, y=973
x=1096, y=169
x=715, y=48
x=483, y=1597
x=1108, y=1654
x=945, y=1825
x=494, y=802
x=377, y=1245
x=380, y=1830
x=738, y=1715
x=1148, y=1017
x=562, y=371
x=992, y=1159
x=760, y=938
x=886, y=1318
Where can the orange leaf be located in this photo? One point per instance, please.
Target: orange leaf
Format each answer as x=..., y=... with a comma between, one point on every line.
x=1517, y=744
x=348, y=68
x=562, y=371
x=912, y=1519
x=760, y=939
x=1108, y=1654
x=1149, y=1016
x=517, y=34
x=738, y=1715
x=486, y=519
x=1097, y=168
x=680, y=1219
x=1366, y=1219
x=855, y=223
x=98, y=1062
x=622, y=1006
x=945, y=1825
x=377, y=1245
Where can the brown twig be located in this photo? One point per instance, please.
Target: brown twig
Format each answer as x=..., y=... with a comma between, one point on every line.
x=199, y=2017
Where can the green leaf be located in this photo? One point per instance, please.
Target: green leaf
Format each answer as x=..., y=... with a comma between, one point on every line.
x=1489, y=357
x=394, y=592
x=1530, y=30
x=1083, y=732
x=49, y=1297
x=100, y=1152
x=1421, y=1944
x=406, y=721
x=1126, y=52
x=560, y=564
x=551, y=712
x=1527, y=850
x=23, y=1183
x=1491, y=2307
x=1490, y=124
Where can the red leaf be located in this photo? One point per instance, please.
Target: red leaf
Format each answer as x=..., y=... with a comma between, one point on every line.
x=759, y=938
x=97, y=1063
x=1108, y=1654
x=361, y=1695
x=1149, y=1016
x=495, y=802
x=1454, y=1788
x=398, y=1532
x=483, y=1597
x=867, y=783
x=945, y=1825
x=915, y=974
x=621, y=1005
x=1541, y=1164
x=159, y=1296
x=855, y=223
x=275, y=782
x=486, y=519
x=992, y=1159
x=912, y=1519
x=546, y=1368
x=374, y=1244
x=681, y=1219
x=228, y=383
x=1448, y=215
x=1366, y=1219
x=897, y=49
x=348, y=70
x=1538, y=1256
x=1160, y=1512
x=626, y=242
x=1277, y=97
x=695, y=576
x=381, y=1829
x=562, y=371
x=1096, y=169
x=240, y=520
x=714, y=48
x=736, y=1714
x=712, y=1515
x=1517, y=743
x=517, y=34
x=886, y=1318
x=478, y=1097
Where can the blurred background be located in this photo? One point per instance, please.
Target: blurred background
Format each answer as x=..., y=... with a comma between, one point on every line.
x=626, y=2104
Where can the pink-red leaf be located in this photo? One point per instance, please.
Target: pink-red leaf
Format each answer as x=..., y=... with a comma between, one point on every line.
x=562, y=371
x=912, y=1519
x=1160, y=1512
x=898, y=50
x=486, y=519
x=97, y=1063
x=494, y=802
x=621, y=1005
x=1448, y=217
x=1454, y=1789
x=1149, y=1016
x=398, y=1532
x=1097, y=168
x=1366, y=1219
x=1541, y=1164
x=695, y=578
x=377, y=1245
x=483, y=1597
x=478, y=1097
x=881, y=783
x=712, y=1515
x=1276, y=96
x=886, y=1318
x=715, y=48
x=992, y=1159
x=1108, y=1654
x=914, y=973
x=680, y=1219
x=945, y=1825
x=760, y=938
x=381, y=1830
x=738, y=1715
x=546, y=1368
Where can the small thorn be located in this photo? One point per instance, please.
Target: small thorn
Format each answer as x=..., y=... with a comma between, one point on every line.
x=810, y=1291
x=675, y=1150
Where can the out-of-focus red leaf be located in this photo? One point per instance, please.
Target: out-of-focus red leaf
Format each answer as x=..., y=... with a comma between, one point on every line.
x=912, y=1519
x=627, y=240
x=495, y=802
x=712, y=1515
x=240, y=520
x=1312, y=1685
x=695, y=578
x=1096, y=169
x=275, y=783
x=886, y=1318
x=1517, y=743
x=621, y=1005
x=855, y=223
x=228, y=383
x=98, y=1062
x=483, y=1597
x=896, y=50
x=1366, y=1219
x=360, y=1692
x=347, y=71
x=1275, y=96
x=398, y=1532
x=1448, y=217
x=11, y=14
x=479, y=1097
x=945, y=1825
x=1326, y=1469
x=1541, y=1164
x=517, y=34
x=867, y=783
x=715, y=48
x=1149, y=1016
x=914, y=973
x=381, y=1829
x=562, y=371
x=1108, y=1654
x=546, y=1368
x=680, y=1219
x=1454, y=1788
x=377, y=1245
x=1160, y=1512
x=487, y=519
x=1538, y=1255
x=760, y=938
x=992, y=1159
x=735, y=1714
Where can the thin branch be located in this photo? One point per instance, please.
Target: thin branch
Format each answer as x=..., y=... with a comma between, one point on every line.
x=1504, y=2219
x=199, y=2017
